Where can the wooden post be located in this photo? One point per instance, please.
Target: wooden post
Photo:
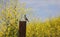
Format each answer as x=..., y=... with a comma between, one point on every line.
x=22, y=28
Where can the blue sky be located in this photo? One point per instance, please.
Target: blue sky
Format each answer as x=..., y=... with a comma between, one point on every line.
x=43, y=8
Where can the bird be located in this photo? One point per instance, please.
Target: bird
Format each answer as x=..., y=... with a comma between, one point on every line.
x=26, y=19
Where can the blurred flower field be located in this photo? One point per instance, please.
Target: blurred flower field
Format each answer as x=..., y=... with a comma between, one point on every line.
x=49, y=28
x=9, y=24
x=9, y=27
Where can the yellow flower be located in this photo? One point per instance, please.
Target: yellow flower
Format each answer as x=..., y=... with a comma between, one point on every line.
x=1, y=33
x=12, y=21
